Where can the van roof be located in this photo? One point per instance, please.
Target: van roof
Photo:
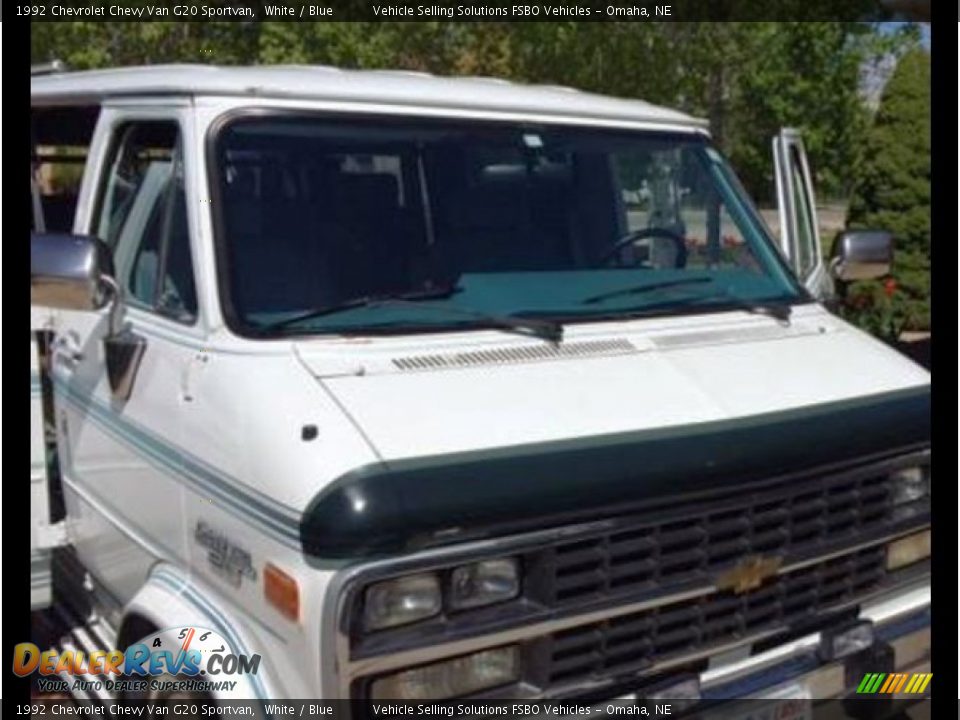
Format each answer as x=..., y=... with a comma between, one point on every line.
x=320, y=82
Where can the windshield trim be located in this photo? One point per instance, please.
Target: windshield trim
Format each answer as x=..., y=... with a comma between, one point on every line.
x=236, y=324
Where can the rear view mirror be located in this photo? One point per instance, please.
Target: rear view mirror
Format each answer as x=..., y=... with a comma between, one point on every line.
x=70, y=272
x=861, y=255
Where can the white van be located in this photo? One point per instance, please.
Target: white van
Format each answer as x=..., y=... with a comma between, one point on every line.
x=424, y=387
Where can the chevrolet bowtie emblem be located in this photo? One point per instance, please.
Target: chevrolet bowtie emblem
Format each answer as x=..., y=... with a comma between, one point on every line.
x=749, y=574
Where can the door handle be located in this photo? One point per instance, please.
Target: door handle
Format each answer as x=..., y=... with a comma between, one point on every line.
x=67, y=350
x=189, y=375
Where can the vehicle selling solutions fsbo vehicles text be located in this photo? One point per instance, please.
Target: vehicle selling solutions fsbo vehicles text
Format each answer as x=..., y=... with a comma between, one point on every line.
x=518, y=11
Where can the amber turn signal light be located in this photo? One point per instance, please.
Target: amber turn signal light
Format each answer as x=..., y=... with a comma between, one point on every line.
x=281, y=591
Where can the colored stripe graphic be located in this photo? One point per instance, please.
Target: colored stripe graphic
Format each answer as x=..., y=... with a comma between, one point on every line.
x=893, y=683
x=876, y=683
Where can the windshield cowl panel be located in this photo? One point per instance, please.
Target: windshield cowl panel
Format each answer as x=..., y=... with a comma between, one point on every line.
x=352, y=226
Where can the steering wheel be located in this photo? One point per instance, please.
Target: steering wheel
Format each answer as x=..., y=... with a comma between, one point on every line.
x=652, y=232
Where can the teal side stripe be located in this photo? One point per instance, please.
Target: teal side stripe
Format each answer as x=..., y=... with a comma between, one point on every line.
x=278, y=521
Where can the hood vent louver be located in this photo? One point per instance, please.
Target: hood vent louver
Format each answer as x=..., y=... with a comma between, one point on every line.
x=516, y=354
x=737, y=334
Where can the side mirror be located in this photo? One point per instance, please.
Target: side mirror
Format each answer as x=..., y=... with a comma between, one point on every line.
x=861, y=255
x=75, y=272
x=70, y=272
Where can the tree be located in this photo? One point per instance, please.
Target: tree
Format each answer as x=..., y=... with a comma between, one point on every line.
x=892, y=184
x=86, y=45
x=747, y=78
x=803, y=75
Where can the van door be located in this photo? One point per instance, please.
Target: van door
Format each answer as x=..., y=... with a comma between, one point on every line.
x=40, y=534
x=799, y=230
x=119, y=460
x=40, y=585
x=59, y=147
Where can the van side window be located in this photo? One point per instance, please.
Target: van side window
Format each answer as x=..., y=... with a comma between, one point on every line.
x=60, y=139
x=143, y=218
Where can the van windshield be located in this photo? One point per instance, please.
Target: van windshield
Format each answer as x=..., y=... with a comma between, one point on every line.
x=361, y=226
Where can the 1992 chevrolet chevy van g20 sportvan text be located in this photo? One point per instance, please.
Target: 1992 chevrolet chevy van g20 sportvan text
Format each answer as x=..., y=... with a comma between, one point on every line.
x=426, y=387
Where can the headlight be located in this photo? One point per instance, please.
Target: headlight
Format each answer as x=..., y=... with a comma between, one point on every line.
x=910, y=484
x=451, y=678
x=484, y=583
x=401, y=601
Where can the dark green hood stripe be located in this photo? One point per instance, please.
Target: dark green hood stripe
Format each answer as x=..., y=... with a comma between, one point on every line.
x=387, y=507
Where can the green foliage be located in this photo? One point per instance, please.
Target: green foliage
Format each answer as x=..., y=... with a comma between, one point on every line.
x=807, y=80
x=437, y=47
x=880, y=308
x=748, y=78
x=85, y=45
x=892, y=186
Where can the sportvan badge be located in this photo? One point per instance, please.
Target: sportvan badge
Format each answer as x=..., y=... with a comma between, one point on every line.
x=229, y=561
x=748, y=574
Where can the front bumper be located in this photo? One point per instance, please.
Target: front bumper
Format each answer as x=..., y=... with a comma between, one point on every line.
x=901, y=623
x=786, y=681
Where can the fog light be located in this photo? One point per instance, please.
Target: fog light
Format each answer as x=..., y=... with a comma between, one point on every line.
x=836, y=643
x=908, y=550
x=451, y=678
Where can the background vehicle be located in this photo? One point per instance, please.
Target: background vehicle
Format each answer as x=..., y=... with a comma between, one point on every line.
x=425, y=387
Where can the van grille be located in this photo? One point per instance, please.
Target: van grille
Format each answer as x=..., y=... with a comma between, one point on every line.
x=631, y=643
x=804, y=520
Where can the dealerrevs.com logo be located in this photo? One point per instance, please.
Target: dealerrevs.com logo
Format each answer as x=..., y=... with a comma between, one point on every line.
x=190, y=659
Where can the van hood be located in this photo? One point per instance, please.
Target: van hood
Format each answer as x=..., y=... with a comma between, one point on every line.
x=611, y=414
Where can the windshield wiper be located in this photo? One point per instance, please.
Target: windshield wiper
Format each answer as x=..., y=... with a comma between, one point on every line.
x=649, y=287
x=778, y=311
x=546, y=329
